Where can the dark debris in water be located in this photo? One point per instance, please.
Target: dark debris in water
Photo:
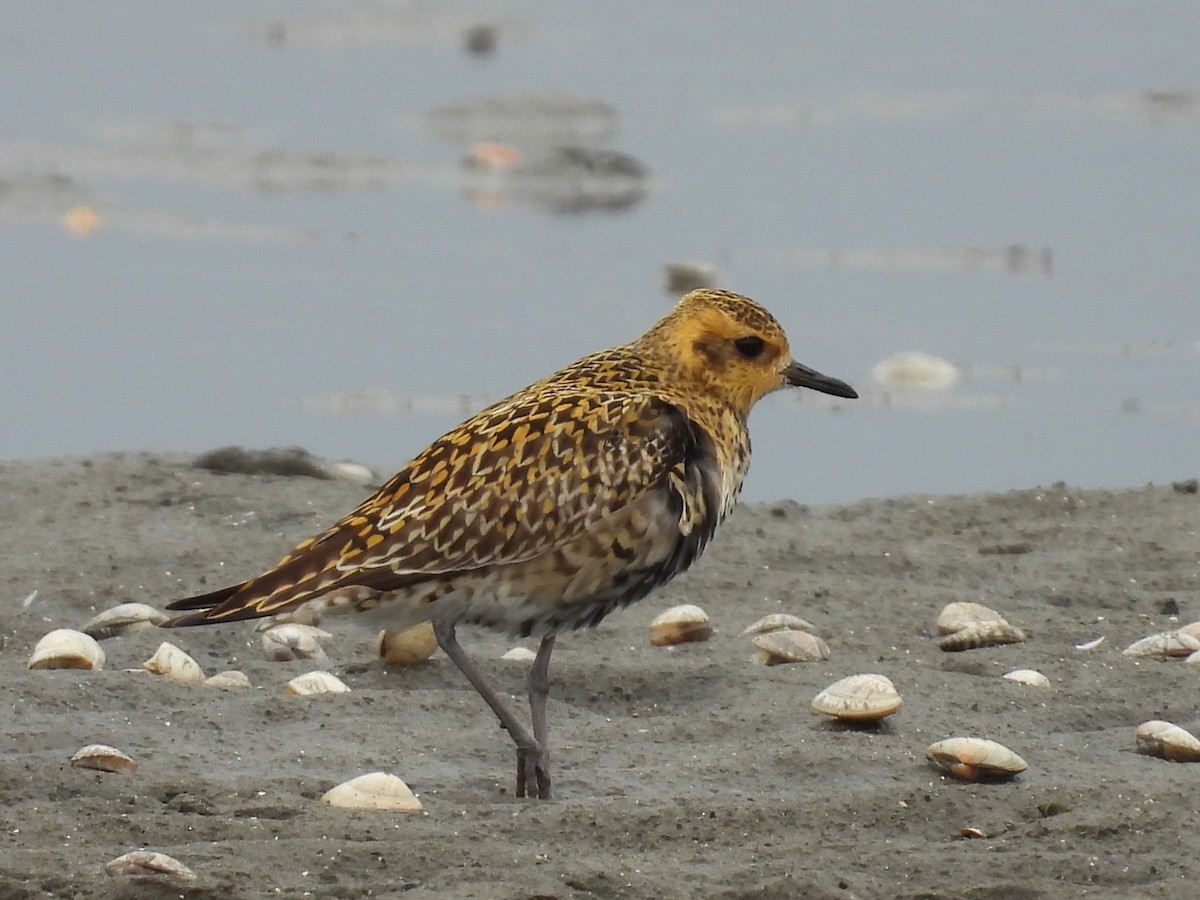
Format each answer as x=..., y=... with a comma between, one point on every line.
x=290, y=462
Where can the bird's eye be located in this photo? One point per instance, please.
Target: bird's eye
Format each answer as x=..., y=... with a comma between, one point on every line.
x=749, y=347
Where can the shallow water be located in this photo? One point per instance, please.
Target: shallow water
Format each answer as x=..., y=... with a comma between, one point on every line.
x=280, y=227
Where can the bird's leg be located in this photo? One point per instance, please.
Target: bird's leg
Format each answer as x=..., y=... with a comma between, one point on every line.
x=527, y=747
x=539, y=690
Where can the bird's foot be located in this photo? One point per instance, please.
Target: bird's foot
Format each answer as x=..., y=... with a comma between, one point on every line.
x=533, y=772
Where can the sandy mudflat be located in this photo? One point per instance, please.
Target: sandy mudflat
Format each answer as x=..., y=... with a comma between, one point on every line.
x=680, y=773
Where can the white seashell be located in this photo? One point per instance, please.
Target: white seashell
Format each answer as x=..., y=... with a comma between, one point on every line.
x=781, y=647
x=227, y=680
x=105, y=759
x=311, y=683
x=1028, y=677
x=859, y=698
x=1191, y=629
x=376, y=790
x=1090, y=645
x=520, y=654
x=976, y=759
x=64, y=648
x=982, y=634
x=124, y=618
x=680, y=625
x=172, y=662
x=406, y=646
x=142, y=863
x=1164, y=645
x=777, y=622
x=1158, y=738
x=293, y=640
x=961, y=614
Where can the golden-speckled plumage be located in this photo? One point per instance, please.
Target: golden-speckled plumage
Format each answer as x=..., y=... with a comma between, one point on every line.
x=544, y=512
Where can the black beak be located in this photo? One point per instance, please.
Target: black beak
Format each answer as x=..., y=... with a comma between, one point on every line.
x=802, y=376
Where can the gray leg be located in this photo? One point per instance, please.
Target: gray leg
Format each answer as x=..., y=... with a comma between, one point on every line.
x=528, y=750
x=539, y=690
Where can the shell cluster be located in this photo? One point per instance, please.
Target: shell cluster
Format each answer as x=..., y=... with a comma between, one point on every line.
x=969, y=626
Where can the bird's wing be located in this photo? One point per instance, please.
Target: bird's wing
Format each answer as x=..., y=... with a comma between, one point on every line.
x=516, y=481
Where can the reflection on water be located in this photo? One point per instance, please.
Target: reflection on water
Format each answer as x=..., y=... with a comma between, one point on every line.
x=1062, y=107
x=1014, y=259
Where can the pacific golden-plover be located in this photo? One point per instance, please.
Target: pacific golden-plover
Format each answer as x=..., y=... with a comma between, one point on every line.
x=548, y=510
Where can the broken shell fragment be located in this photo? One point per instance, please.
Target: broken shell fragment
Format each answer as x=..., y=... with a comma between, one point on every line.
x=227, y=680
x=976, y=759
x=312, y=683
x=105, y=759
x=520, y=654
x=64, y=648
x=406, y=646
x=957, y=616
x=1029, y=677
x=781, y=647
x=1164, y=645
x=1158, y=738
x=175, y=664
x=124, y=618
x=982, y=634
x=777, y=622
x=859, y=698
x=680, y=625
x=141, y=863
x=376, y=790
x=293, y=640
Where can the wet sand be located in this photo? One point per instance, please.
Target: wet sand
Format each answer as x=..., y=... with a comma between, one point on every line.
x=685, y=772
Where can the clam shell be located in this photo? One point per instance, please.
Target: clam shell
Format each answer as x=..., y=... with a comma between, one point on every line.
x=520, y=654
x=982, y=634
x=64, y=648
x=1164, y=645
x=777, y=622
x=311, y=683
x=105, y=759
x=1029, y=677
x=859, y=698
x=1158, y=738
x=149, y=863
x=976, y=759
x=680, y=625
x=406, y=646
x=958, y=615
x=227, y=680
x=1191, y=629
x=293, y=640
x=124, y=619
x=172, y=662
x=781, y=647
x=376, y=790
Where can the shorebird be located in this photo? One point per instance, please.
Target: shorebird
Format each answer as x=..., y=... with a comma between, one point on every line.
x=550, y=509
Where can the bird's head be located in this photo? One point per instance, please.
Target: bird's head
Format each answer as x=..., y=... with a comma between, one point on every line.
x=733, y=348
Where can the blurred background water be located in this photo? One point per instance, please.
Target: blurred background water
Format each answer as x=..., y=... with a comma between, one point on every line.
x=251, y=222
